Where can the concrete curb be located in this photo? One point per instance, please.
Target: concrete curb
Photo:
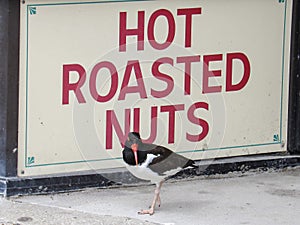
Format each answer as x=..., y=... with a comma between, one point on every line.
x=105, y=178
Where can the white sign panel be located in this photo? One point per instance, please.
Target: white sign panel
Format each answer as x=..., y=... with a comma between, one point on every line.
x=206, y=78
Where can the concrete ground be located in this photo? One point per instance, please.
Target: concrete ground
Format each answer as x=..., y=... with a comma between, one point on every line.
x=256, y=197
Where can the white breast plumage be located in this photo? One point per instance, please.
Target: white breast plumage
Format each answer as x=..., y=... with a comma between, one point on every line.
x=143, y=172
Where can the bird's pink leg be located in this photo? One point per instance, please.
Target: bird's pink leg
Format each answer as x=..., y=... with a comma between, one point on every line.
x=156, y=199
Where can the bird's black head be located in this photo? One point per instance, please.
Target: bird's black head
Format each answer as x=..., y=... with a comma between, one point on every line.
x=133, y=141
x=133, y=138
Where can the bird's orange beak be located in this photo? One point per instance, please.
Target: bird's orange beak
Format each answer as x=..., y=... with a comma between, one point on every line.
x=134, y=148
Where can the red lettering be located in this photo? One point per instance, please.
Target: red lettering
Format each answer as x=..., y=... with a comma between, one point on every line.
x=136, y=120
x=229, y=64
x=188, y=13
x=162, y=76
x=139, y=88
x=207, y=73
x=171, y=109
x=114, y=81
x=67, y=86
x=187, y=60
x=124, y=32
x=153, y=125
x=112, y=122
x=202, y=123
x=171, y=31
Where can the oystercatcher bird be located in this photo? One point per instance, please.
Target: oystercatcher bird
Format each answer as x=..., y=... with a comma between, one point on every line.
x=152, y=162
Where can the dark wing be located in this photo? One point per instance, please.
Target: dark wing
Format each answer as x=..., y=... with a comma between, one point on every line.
x=168, y=160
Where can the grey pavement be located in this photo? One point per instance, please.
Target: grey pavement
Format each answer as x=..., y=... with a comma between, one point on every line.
x=255, y=197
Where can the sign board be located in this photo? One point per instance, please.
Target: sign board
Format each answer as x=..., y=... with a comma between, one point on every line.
x=204, y=78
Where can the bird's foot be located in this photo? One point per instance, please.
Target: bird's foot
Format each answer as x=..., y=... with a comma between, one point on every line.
x=146, y=211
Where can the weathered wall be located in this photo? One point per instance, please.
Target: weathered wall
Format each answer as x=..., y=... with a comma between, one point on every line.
x=9, y=75
x=294, y=104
